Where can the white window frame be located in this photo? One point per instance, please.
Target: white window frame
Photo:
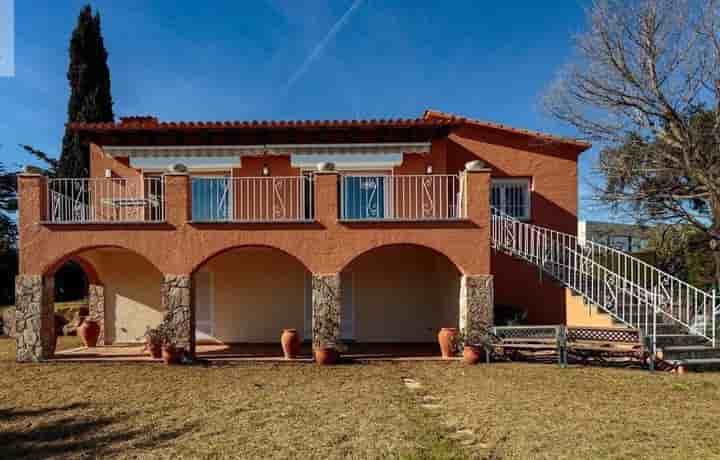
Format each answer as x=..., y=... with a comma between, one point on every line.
x=505, y=183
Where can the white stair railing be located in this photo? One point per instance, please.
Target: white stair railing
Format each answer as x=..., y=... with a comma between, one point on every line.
x=629, y=289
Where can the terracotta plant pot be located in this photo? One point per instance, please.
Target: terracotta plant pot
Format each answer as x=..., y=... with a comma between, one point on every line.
x=89, y=331
x=446, y=338
x=290, y=341
x=471, y=354
x=155, y=350
x=326, y=356
x=170, y=354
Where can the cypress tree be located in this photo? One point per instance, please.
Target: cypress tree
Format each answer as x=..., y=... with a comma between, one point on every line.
x=90, y=98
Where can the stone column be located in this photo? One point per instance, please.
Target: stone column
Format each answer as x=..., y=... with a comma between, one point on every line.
x=326, y=308
x=179, y=312
x=34, y=318
x=96, y=307
x=476, y=306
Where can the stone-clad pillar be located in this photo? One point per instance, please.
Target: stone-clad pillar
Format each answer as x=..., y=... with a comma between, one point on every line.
x=326, y=308
x=96, y=308
x=476, y=307
x=34, y=318
x=179, y=314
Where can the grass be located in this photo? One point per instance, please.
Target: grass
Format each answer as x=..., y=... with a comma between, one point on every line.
x=351, y=411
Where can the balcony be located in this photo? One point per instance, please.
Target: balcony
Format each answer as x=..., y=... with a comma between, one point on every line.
x=252, y=199
x=401, y=198
x=94, y=201
x=218, y=199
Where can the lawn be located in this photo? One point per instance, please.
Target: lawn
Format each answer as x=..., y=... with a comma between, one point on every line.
x=352, y=411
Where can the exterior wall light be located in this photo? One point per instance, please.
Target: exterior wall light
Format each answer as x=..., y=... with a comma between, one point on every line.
x=429, y=169
x=265, y=170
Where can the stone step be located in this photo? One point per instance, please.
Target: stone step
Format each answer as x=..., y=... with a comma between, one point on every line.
x=682, y=353
x=679, y=340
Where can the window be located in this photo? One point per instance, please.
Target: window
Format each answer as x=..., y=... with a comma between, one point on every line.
x=211, y=198
x=512, y=196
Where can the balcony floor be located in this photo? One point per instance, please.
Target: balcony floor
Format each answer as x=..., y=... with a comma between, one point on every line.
x=221, y=353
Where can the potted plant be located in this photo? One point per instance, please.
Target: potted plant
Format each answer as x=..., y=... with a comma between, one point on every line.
x=472, y=346
x=154, y=339
x=290, y=341
x=447, y=338
x=325, y=355
x=170, y=353
x=89, y=332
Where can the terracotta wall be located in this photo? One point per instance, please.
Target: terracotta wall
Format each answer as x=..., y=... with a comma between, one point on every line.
x=552, y=169
x=403, y=294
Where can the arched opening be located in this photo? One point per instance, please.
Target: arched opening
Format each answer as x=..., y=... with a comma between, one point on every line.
x=249, y=295
x=399, y=294
x=126, y=291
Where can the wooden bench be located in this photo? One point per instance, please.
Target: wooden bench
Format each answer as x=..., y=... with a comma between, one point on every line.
x=510, y=341
x=605, y=342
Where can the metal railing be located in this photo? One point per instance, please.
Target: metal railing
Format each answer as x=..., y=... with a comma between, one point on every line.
x=83, y=201
x=252, y=199
x=429, y=197
x=630, y=290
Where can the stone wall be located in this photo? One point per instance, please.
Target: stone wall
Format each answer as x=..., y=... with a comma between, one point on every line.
x=34, y=318
x=326, y=305
x=179, y=315
x=476, y=307
x=8, y=321
x=96, y=307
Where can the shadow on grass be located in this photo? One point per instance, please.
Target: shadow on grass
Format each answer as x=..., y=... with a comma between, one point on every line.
x=61, y=432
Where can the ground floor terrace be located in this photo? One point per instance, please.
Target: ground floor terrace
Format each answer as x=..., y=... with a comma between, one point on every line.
x=388, y=301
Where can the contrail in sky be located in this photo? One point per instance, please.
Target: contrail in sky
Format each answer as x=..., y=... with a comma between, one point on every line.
x=323, y=43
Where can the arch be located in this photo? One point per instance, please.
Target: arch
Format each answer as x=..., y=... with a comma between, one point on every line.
x=226, y=249
x=76, y=256
x=249, y=294
x=369, y=250
x=402, y=293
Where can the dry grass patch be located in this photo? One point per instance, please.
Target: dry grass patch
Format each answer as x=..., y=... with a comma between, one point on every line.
x=541, y=411
x=242, y=411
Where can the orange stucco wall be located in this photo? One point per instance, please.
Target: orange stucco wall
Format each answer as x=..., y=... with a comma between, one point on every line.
x=552, y=170
x=328, y=245
x=179, y=246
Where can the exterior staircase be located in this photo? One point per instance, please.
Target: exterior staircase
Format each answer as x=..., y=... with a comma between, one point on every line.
x=678, y=320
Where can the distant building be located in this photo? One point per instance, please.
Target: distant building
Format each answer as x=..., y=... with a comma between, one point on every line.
x=623, y=237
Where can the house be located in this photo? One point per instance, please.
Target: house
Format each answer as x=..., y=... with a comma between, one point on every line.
x=623, y=237
x=372, y=231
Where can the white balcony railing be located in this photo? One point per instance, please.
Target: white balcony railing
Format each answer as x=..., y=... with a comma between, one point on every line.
x=83, y=201
x=252, y=199
x=429, y=197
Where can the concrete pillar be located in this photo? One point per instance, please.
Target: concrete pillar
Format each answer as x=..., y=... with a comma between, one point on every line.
x=179, y=313
x=326, y=308
x=476, y=307
x=96, y=307
x=34, y=318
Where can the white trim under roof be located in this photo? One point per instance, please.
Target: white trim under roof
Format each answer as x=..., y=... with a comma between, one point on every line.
x=193, y=163
x=277, y=149
x=348, y=161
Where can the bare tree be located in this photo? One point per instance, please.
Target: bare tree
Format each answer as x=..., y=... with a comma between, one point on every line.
x=646, y=87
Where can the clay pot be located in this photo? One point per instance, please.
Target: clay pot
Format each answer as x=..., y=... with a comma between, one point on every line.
x=326, y=356
x=446, y=338
x=290, y=341
x=170, y=354
x=89, y=331
x=155, y=350
x=471, y=354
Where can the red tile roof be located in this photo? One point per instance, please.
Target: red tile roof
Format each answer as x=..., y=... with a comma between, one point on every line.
x=153, y=124
x=431, y=118
x=438, y=115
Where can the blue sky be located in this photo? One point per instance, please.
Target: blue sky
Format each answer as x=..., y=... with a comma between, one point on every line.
x=291, y=59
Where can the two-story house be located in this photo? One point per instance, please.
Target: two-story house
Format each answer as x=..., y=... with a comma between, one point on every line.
x=365, y=231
